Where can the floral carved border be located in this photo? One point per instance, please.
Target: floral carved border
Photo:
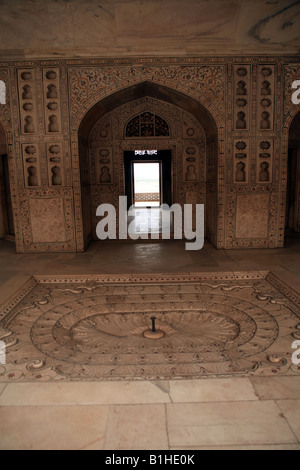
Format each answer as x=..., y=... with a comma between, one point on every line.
x=62, y=194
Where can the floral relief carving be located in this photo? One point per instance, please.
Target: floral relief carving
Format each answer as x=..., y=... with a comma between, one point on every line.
x=260, y=88
x=47, y=219
x=207, y=81
x=252, y=216
x=91, y=327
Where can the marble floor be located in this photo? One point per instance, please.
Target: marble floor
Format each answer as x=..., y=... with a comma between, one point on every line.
x=253, y=412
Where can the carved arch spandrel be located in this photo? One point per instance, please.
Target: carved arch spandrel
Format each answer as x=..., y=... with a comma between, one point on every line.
x=215, y=121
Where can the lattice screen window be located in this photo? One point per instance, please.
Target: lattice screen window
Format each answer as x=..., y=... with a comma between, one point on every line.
x=147, y=125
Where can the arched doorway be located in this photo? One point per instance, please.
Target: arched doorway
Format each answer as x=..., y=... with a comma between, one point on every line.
x=292, y=219
x=7, y=230
x=192, y=145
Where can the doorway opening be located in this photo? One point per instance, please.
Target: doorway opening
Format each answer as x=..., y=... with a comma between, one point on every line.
x=104, y=141
x=148, y=185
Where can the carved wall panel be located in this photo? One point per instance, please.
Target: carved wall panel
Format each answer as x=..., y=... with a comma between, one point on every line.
x=242, y=93
x=31, y=162
x=198, y=81
x=54, y=154
x=265, y=150
x=252, y=215
x=102, y=169
x=225, y=86
x=27, y=101
x=47, y=220
x=265, y=97
x=52, y=106
x=241, y=160
x=257, y=204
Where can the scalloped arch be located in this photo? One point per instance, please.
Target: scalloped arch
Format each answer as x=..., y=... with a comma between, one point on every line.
x=100, y=103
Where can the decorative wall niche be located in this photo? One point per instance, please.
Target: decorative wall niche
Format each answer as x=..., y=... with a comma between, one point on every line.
x=52, y=106
x=241, y=97
x=55, y=164
x=265, y=97
x=241, y=160
x=27, y=101
x=190, y=162
x=31, y=165
x=101, y=156
x=265, y=160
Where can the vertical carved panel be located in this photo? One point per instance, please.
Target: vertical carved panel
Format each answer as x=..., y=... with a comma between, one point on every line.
x=47, y=220
x=241, y=97
x=265, y=160
x=31, y=165
x=241, y=160
x=55, y=164
x=104, y=162
x=190, y=163
x=252, y=215
x=27, y=100
x=265, y=97
x=193, y=151
x=52, y=106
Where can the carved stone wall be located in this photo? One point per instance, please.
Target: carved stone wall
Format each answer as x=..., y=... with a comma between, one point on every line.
x=248, y=98
x=108, y=141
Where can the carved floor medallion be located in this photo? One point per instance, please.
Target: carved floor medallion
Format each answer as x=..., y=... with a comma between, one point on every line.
x=93, y=328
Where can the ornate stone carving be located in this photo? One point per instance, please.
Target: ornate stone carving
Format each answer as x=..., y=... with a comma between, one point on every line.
x=107, y=144
x=252, y=216
x=37, y=90
x=242, y=155
x=47, y=217
x=265, y=95
x=91, y=328
x=204, y=81
x=31, y=164
x=242, y=91
x=47, y=220
x=54, y=153
x=52, y=114
x=27, y=101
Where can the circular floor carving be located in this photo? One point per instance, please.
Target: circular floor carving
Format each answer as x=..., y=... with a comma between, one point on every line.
x=97, y=331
